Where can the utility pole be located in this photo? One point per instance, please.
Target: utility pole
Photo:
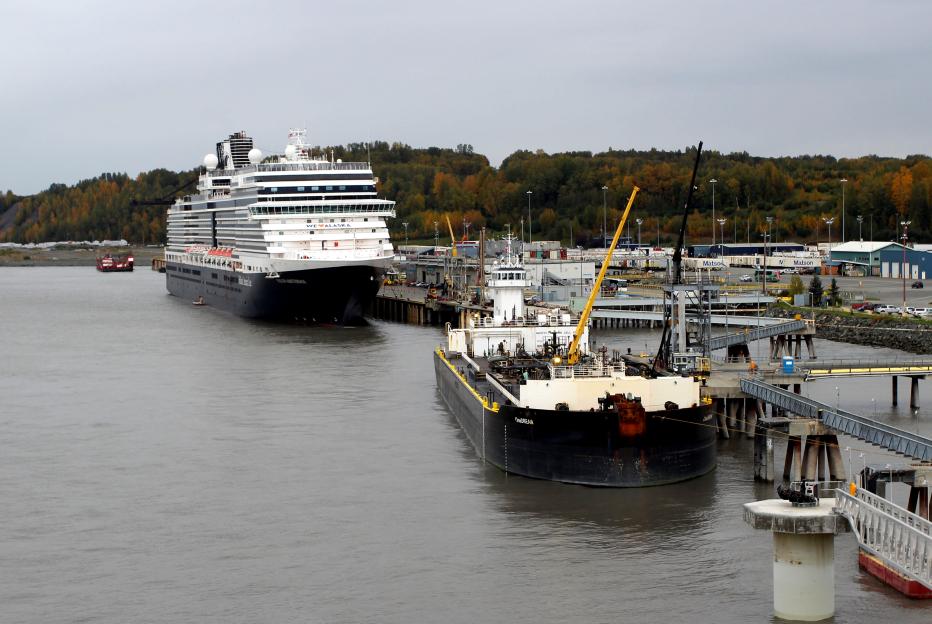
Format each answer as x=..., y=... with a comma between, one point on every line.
x=529, y=239
x=604, y=216
x=712, y=182
x=436, y=237
x=860, y=221
x=843, y=231
x=905, y=225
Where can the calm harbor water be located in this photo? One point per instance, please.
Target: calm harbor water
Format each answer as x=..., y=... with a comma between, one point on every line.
x=161, y=462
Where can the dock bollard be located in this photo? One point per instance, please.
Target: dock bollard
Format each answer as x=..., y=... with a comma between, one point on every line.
x=803, y=555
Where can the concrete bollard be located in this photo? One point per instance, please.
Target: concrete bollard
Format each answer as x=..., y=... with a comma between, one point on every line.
x=803, y=555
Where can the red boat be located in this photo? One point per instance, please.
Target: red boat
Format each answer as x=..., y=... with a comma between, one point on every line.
x=111, y=263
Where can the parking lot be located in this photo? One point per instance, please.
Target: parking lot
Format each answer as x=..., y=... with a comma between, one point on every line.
x=874, y=289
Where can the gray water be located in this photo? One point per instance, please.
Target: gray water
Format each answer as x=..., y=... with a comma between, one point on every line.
x=161, y=462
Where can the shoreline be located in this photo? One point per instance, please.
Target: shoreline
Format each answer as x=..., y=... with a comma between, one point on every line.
x=76, y=256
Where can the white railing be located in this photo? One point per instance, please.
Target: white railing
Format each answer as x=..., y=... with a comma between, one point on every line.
x=582, y=370
x=901, y=539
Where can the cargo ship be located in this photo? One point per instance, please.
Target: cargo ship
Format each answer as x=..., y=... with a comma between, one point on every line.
x=534, y=400
x=111, y=264
x=297, y=236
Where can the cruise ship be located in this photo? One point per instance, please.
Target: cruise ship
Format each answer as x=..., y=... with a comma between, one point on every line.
x=294, y=237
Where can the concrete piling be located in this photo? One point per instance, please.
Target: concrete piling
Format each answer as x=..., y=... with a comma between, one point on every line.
x=803, y=555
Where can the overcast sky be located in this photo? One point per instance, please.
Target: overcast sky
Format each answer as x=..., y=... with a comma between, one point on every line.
x=106, y=85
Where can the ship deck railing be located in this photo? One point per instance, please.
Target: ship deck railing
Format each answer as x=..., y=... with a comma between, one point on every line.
x=583, y=370
x=550, y=321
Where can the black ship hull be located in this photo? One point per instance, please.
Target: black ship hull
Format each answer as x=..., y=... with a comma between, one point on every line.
x=341, y=295
x=586, y=448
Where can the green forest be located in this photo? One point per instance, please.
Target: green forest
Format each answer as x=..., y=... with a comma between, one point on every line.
x=430, y=184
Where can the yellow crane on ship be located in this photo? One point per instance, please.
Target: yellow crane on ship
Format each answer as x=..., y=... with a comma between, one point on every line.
x=572, y=356
x=452, y=236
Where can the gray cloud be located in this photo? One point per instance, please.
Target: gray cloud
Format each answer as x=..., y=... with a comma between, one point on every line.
x=129, y=86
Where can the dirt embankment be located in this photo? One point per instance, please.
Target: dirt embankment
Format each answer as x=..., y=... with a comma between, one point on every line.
x=70, y=256
x=876, y=330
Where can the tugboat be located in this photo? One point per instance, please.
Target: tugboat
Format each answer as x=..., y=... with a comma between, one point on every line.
x=110, y=263
x=535, y=401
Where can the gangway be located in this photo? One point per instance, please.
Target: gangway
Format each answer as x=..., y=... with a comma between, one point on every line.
x=867, y=368
x=877, y=433
x=765, y=331
x=899, y=538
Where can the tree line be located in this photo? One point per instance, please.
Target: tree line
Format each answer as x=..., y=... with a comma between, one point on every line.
x=570, y=193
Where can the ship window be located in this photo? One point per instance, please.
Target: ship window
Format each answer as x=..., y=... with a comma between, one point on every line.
x=301, y=188
x=329, y=188
x=373, y=230
x=315, y=188
x=281, y=233
x=342, y=188
x=273, y=189
x=366, y=219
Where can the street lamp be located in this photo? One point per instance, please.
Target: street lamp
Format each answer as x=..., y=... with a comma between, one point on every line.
x=529, y=239
x=712, y=182
x=763, y=280
x=436, y=237
x=639, y=222
x=721, y=225
x=843, y=233
x=829, y=223
x=860, y=221
x=905, y=237
x=604, y=216
x=405, y=223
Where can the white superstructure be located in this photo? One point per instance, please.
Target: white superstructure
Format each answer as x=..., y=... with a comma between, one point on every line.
x=292, y=212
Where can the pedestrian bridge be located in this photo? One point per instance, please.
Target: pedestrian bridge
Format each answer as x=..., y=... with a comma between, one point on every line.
x=867, y=429
x=867, y=368
x=899, y=538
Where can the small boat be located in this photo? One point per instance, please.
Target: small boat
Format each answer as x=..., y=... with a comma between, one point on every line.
x=112, y=264
x=199, y=301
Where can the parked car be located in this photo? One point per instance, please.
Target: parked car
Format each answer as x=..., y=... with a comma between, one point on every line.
x=922, y=312
x=789, y=271
x=862, y=306
x=746, y=278
x=887, y=309
x=910, y=309
x=917, y=284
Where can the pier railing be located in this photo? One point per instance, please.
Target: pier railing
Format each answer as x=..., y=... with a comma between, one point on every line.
x=892, y=438
x=902, y=540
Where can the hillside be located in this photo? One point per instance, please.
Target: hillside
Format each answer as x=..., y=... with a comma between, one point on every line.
x=428, y=183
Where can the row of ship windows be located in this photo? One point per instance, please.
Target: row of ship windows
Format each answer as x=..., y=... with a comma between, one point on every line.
x=183, y=270
x=286, y=178
x=316, y=189
x=277, y=210
x=314, y=232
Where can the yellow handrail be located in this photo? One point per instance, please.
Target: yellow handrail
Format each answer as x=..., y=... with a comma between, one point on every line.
x=573, y=355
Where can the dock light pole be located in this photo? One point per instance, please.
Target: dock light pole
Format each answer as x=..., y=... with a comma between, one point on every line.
x=639, y=222
x=829, y=223
x=905, y=237
x=436, y=237
x=529, y=239
x=860, y=221
x=721, y=225
x=712, y=182
x=843, y=232
x=604, y=216
x=405, y=223
x=763, y=281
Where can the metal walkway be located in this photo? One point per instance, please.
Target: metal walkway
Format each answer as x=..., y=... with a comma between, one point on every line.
x=867, y=368
x=716, y=319
x=867, y=429
x=902, y=540
x=766, y=331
